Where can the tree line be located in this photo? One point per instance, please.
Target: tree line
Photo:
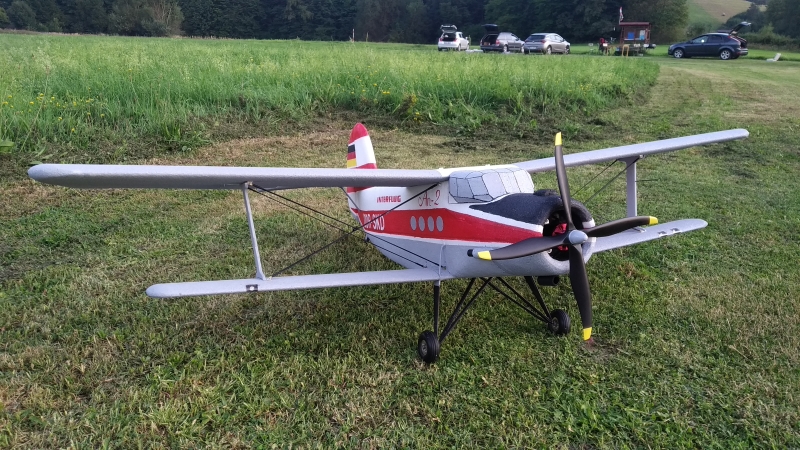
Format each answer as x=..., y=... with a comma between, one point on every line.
x=410, y=21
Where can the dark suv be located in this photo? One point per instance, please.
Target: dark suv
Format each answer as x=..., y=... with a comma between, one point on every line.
x=497, y=41
x=726, y=45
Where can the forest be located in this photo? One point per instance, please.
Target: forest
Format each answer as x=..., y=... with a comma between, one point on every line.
x=409, y=21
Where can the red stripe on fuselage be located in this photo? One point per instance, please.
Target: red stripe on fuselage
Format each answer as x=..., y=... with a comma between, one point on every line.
x=455, y=226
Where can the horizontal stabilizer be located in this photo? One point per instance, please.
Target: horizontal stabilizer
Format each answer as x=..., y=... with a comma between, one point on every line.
x=247, y=285
x=638, y=235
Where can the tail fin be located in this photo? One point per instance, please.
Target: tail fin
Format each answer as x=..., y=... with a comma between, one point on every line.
x=359, y=150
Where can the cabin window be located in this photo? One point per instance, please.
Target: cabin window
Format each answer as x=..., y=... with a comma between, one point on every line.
x=487, y=185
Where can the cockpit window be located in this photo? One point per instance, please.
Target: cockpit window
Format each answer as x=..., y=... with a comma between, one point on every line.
x=487, y=185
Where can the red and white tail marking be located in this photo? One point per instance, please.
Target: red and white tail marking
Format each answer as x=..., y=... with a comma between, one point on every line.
x=359, y=152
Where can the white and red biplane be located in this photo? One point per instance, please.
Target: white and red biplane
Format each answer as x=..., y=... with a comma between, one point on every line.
x=480, y=223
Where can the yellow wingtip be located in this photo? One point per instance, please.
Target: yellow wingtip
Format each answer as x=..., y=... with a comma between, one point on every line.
x=558, y=138
x=653, y=221
x=587, y=333
x=485, y=255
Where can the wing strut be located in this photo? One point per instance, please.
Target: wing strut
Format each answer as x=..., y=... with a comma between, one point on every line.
x=630, y=184
x=256, y=255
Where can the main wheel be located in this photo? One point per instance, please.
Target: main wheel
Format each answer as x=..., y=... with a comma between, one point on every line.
x=428, y=347
x=725, y=54
x=559, y=322
x=678, y=53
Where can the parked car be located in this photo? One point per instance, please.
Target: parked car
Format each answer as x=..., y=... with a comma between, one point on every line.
x=546, y=43
x=723, y=45
x=497, y=41
x=452, y=39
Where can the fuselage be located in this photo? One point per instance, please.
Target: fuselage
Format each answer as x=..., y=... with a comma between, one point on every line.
x=480, y=208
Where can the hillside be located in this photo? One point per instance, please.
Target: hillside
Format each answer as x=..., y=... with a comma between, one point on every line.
x=718, y=10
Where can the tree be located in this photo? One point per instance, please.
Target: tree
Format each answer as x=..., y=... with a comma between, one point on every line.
x=4, y=21
x=667, y=17
x=754, y=15
x=784, y=15
x=167, y=14
x=22, y=15
x=89, y=17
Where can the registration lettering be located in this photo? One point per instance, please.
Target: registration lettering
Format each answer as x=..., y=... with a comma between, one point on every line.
x=373, y=221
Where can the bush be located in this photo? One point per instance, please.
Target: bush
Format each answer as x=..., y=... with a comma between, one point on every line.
x=767, y=36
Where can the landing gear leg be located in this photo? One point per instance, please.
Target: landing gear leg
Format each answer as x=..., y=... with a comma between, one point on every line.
x=429, y=342
x=557, y=320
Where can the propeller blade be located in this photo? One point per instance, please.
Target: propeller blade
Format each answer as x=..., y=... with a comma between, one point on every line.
x=530, y=246
x=620, y=225
x=580, y=288
x=563, y=184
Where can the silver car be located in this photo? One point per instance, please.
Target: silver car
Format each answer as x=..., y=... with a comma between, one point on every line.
x=545, y=43
x=500, y=41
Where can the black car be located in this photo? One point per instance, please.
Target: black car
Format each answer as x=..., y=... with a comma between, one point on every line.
x=723, y=45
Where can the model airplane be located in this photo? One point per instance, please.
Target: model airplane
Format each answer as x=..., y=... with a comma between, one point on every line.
x=481, y=223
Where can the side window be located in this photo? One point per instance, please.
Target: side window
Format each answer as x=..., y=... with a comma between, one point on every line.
x=700, y=40
x=715, y=39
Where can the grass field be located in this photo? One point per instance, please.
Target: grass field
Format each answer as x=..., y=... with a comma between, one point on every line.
x=697, y=335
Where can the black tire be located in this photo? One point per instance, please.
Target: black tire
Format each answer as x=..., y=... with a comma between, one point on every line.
x=567, y=51
x=548, y=51
x=559, y=322
x=678, y=53
x=505, y=49
x=725, y=54
x=428, y=347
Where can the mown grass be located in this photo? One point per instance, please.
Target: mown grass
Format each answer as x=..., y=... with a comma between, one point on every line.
x=83, y=92
x=697, y=335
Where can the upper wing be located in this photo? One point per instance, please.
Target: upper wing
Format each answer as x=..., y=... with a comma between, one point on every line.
x=97, y=176
x=94, y=176
x=644, y=149
x=220, y=287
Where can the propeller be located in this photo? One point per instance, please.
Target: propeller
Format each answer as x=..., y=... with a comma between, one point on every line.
x=573, y=239
x=577, y=266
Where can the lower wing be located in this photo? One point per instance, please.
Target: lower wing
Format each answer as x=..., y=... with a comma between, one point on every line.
x=221, y=287
x=638, y=235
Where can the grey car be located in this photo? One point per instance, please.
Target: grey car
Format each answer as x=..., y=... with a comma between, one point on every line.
x=546, y=43
x=497, y=41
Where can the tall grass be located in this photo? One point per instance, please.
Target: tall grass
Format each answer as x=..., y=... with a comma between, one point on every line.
x=77, y=90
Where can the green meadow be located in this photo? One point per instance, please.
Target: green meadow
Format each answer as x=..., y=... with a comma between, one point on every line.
x=90, y=92
x=697, y=336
